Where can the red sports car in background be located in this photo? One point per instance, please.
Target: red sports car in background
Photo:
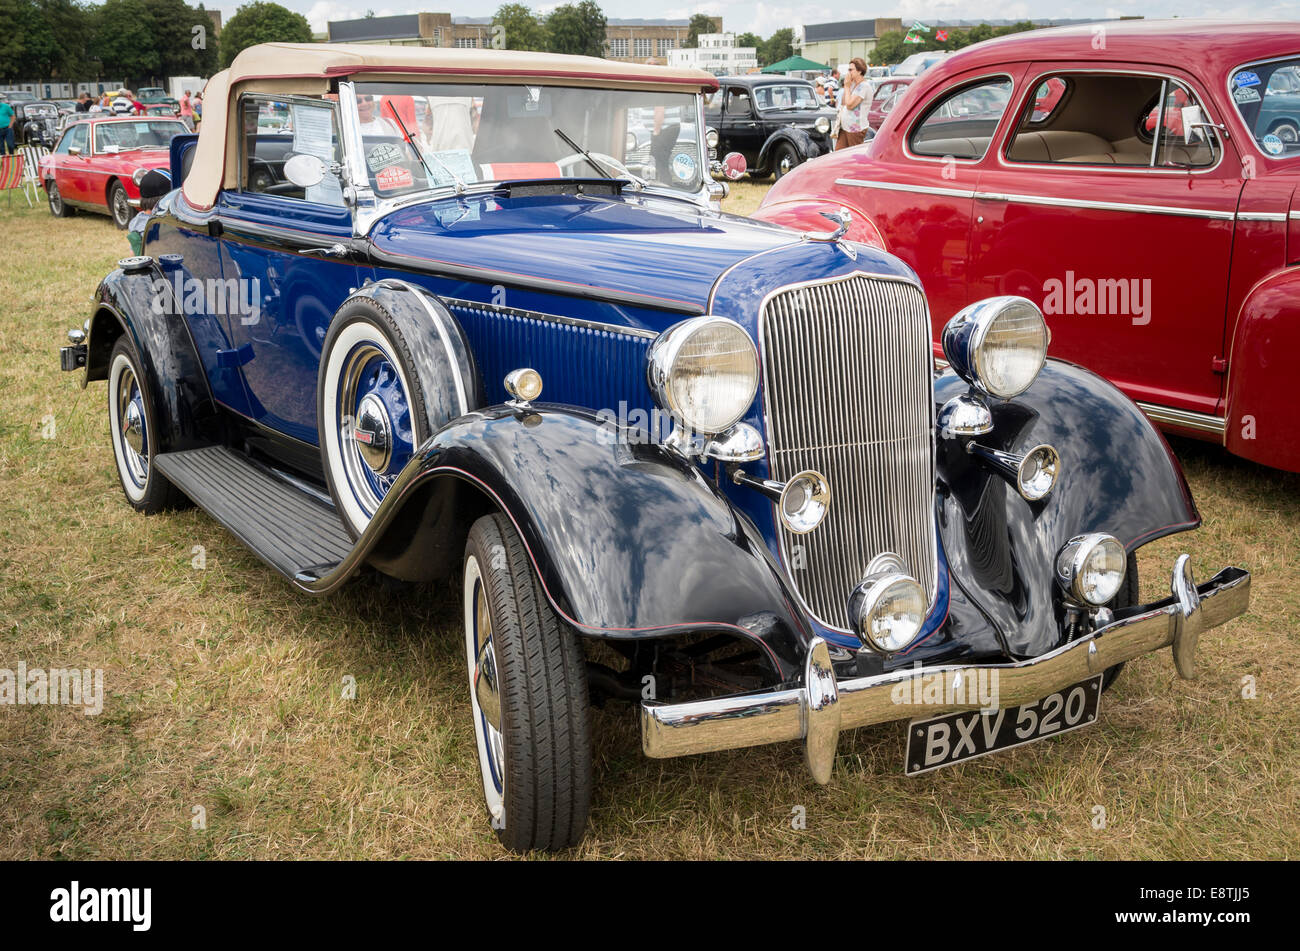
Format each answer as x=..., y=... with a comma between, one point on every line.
x=93, y=165
x=1135, y=180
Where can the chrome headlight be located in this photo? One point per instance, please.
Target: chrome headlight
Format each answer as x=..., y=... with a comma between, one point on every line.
x=1092, y=567
x=888, y=607
x=711, y=138
x=998, y=345
x=704, y=372
x=822, y=125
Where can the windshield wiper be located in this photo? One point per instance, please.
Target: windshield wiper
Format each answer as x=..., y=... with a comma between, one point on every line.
x=585, y=154
x=639, y=182
x=460, y=186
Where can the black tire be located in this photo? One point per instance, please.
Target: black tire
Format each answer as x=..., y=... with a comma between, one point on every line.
x=1127, y=597
x=119, y=206
x=784, y=160
x=132, y=406
x=543, y=798
x=58, y=207
x=363, y=323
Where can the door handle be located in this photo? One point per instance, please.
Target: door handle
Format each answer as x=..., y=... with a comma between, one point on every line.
x=333, y=251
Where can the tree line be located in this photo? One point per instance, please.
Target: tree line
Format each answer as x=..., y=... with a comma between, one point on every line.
x=891, y=48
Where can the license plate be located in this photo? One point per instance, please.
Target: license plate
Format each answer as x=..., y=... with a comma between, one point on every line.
x=956, y=737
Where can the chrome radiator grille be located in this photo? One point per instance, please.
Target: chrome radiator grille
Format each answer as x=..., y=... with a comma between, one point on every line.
x=847, y=384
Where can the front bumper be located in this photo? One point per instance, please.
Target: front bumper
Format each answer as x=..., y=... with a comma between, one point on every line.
x=818, y=710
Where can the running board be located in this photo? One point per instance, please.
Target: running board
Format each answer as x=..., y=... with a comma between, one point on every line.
x=296, y=534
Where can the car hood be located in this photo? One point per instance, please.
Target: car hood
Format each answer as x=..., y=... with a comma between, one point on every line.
x=657, y=248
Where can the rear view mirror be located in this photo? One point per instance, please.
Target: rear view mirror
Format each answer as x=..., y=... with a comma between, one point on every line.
x=304, y=170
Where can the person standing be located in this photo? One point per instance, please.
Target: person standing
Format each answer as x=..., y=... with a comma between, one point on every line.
x=853, y=103
x=7, y=119
x=198, y=109
x=187, y=110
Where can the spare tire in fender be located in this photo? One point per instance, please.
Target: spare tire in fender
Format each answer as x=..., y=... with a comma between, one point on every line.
x=395, y=368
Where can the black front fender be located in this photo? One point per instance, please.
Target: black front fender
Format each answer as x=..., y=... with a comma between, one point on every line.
x=629, y=540
x=803, y=143
x=1118, y=476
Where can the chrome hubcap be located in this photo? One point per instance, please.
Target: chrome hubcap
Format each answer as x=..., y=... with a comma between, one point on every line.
x=486, y=688
x=371, y=434
x=376, y=424
x=485, y=692
x=133, y=428
x=133, y=435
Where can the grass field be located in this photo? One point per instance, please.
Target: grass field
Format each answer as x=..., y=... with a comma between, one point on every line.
x=224, y=688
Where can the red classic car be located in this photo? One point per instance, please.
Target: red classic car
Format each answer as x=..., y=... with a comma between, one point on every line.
x=1166, y=261
x=93, y=164
x=886, y=96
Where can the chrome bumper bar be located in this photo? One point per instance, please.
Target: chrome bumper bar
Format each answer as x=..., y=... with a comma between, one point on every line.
x=818, y=710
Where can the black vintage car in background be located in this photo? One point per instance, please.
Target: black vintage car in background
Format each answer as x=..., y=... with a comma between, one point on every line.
x=775, y=122
x=36, y=123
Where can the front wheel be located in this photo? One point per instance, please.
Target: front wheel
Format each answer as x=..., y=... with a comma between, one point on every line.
x=58, y=207
x=784, y=159
x=119, y=206
x=528, y=696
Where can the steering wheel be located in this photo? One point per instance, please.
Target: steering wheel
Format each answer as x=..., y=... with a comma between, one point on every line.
x=568, y=165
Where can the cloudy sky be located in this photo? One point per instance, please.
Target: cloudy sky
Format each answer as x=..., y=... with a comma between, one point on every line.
x=765, y=18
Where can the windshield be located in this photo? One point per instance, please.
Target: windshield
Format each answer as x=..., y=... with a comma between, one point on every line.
x=142, y=134
x=1267, y=96
x=785, y=97
x=487, y=133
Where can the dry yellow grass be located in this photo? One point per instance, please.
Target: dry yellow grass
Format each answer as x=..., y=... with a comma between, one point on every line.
x=225, y=687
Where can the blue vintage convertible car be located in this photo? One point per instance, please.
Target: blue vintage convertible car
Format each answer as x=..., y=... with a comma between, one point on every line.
x=458, y=336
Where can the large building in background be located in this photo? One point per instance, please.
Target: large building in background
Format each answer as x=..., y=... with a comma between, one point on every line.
x=641, y=41
x=836, y=43
x=717, y=53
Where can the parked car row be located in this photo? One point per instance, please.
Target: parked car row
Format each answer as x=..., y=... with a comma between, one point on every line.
x=749, y=480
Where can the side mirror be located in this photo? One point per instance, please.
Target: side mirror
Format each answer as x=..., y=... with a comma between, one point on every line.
x=734, y=166
x=74, y=150
x=304, y=170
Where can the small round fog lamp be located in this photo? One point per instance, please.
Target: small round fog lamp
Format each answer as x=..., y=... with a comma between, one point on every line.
x=524, y=385
x=1092, y=567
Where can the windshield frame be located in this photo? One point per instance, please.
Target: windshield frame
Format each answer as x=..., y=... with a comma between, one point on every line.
x=370, y=208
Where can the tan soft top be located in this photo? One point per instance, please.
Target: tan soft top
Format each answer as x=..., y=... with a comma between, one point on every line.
x=307, y=68
x=332, y=60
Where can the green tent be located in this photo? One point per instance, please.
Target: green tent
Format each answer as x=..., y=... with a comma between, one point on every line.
x=796, y=64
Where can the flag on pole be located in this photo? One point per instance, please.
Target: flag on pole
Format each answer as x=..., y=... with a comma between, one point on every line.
x=919, y=27
x=911, y=38
x=941, y=35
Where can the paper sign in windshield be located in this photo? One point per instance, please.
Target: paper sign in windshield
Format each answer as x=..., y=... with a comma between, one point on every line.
x=313, y=131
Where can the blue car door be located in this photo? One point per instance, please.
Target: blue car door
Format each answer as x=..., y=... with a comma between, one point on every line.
x=286, y=261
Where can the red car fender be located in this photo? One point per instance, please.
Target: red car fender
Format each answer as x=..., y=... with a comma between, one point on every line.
x=804, y=214
x=1261, y=423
